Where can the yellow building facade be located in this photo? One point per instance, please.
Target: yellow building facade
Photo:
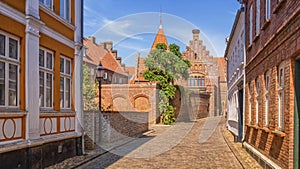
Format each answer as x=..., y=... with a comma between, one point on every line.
x=40, y=86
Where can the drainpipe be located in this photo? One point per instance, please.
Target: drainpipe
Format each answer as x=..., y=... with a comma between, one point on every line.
x=244, y=71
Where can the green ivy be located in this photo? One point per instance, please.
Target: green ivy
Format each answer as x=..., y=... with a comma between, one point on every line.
x=89, y=90
x=163, y=68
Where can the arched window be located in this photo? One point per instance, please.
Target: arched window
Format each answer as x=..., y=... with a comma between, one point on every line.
x=267, y=88
x=281, y=78
x=249, y=102
x=257, y=85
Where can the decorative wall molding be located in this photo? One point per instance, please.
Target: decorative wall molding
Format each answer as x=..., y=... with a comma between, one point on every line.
x=12, y=13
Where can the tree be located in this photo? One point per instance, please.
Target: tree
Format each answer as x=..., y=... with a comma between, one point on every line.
x=163, y=68
x=89, y=90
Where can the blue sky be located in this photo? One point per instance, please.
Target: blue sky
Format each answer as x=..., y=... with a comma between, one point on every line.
x=132, y=24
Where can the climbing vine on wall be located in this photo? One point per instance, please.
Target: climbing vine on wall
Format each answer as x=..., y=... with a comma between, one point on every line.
x=164, y=67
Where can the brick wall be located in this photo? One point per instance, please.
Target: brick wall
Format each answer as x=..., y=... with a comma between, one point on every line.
x=108, y=127
x=277, y=43
x=132, y=97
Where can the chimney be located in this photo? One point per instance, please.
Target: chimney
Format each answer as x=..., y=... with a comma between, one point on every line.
x=114, y=53
x=196, y=33
x=119, y=59
x=92, y=38
x=108, y=46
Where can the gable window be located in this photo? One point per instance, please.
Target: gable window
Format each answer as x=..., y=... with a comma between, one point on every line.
x=65, y=11
x=267, y=88
x=65, y=83
x=9, y=68
x=47, y=3
x=46, y=78
x=257, y=30
x=268, y=9
x=250, y=24
x=281, y=97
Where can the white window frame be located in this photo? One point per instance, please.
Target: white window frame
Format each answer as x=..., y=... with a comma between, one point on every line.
x=44, y=3
x=250, y=106
x=251, y=24
x=257, y=30
x=267, y=89
x=257, y=85
x=65, y=76
x=10, y=61
x=268, y=10
x=281, y=97
x=46, y=71
x=65, y=14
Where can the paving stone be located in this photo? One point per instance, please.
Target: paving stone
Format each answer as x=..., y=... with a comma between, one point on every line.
x=204, y=143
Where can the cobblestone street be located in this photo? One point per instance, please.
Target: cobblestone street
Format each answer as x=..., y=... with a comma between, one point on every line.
x=185, y=145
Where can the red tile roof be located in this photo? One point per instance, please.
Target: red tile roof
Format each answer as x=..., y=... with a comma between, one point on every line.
x=96, y=53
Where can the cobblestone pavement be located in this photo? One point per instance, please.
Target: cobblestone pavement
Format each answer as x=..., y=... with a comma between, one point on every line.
x=197, y=144
x=237, y=148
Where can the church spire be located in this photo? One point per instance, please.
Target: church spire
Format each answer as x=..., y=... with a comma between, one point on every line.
x=160, y=19
x=160, y=35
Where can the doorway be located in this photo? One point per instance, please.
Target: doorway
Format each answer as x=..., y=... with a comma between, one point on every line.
x=240, y=112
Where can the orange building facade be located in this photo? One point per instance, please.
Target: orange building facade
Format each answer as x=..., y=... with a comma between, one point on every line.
x=40, y=67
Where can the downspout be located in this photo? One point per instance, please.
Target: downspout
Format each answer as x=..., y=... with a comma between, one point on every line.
x=244, y=70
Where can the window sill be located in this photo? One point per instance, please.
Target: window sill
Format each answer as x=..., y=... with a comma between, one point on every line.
x=266, y=24
x=57, y=17
x=278, y=133
x=56, y=114
x=12, y=113
x=253, y=126
x=256, y=37
x=249, y=47
x=278, y=6
x=266, y=129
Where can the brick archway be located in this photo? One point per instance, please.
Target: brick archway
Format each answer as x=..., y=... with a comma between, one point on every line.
x=141, y=102
x=121, y=103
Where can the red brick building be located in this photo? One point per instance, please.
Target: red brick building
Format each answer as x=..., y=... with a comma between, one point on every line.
x=206, y=76
x=272, y=81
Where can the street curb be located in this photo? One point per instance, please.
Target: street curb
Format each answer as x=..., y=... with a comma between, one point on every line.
x=233, y=149
x=102, y=153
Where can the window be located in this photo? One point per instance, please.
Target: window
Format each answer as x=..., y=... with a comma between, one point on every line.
x=281, y=97
x=47, y=3
x=196, y=81
x=250, y=24
x=250, y=106
x=65, y=83
x=46, y=78
x=256, y=101
x=65, y=9
x=9, y=68
x=257, y=86
x=257, y=30
x=267, y=88
x=256, y=111
x=268, y=9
